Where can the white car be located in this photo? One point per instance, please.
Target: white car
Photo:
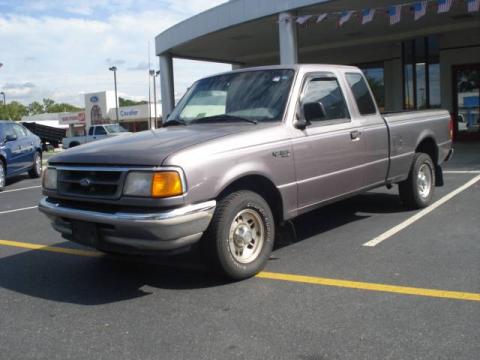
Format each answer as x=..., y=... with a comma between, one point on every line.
x=96, y=132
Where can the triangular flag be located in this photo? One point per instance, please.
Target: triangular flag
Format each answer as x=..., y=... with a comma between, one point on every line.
x=367, y=15
x=303, y=19
x=344, y=17
x=419, y=9
x=395, y=14
x=444, y=5
x=473, y=5
x=321, y=17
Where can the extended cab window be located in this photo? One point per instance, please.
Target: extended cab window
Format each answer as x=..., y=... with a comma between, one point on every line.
x=323, y=100
x=90, y=131
x=358, y=85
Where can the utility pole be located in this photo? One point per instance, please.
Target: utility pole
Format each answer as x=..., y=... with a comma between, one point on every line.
x=154, y=75
x=114, y=69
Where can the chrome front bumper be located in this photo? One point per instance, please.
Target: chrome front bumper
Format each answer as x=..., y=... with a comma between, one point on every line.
x=131, y=232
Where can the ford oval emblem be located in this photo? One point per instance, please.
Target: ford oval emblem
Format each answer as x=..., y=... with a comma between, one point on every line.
x=86, y=182
x=94, y=99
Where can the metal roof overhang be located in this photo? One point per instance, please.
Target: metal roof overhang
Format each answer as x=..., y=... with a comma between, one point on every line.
x=237, y=32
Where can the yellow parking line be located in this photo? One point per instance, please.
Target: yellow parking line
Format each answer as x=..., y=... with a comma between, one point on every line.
x=55, y=249
x=457, y=295
x=404, y=290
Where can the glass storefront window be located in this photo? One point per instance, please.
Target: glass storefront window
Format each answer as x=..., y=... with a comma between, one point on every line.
x=421, y=73
x=375, y=75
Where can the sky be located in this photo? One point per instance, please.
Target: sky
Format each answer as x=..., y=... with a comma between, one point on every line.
x=63, y=49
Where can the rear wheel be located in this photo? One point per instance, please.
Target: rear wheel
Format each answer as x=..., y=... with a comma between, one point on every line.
x=36, y=170
x=240, y=238
x=3, y=175
x=417, y=191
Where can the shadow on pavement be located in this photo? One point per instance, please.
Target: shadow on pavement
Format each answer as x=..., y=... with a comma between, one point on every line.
x=95, y=281
x=108, y=279
x=336, y=215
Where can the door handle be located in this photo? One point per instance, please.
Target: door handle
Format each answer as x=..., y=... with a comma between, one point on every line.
x=355, y=135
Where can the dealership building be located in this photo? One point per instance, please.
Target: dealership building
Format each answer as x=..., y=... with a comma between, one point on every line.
x=416, y=55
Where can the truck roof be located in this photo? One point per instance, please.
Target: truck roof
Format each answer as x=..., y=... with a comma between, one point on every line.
x=296, y=67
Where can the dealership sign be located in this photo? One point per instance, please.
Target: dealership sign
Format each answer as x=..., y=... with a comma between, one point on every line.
x=73, y=118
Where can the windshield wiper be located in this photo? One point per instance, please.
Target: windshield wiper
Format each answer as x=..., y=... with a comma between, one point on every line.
x=224, y=117
x=175, y=122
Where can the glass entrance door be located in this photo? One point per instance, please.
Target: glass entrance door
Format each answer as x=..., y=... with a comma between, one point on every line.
x=466, y=96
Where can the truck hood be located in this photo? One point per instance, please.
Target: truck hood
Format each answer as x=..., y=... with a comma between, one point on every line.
x=148, y=148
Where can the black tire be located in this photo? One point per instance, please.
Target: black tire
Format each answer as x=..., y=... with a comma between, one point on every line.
x=73, y=144
x=36, y=171
x=410, y=190
x=217, y=242
x=3, y=175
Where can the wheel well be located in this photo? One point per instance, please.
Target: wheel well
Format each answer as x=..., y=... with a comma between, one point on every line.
x=428, y=146
x=262, y=186
x=73, y=144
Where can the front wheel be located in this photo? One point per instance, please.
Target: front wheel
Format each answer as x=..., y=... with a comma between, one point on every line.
x=417, y=191
x=36, y=170
x=3, y=175
x=240, y=238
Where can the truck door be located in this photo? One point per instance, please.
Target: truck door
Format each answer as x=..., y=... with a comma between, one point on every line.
x=27, y=147
x=330, y=150
x=374, y=131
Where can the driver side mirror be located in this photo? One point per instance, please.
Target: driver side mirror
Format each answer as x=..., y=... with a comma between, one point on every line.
x=308, y=112
x=10, y=137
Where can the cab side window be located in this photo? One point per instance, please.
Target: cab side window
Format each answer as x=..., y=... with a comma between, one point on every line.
x=358, y=85
x=7, y=129
x=100, y=130
x=323, y=100
x=90, y=131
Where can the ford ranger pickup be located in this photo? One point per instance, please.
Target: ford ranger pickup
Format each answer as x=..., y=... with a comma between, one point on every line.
x=243, y=152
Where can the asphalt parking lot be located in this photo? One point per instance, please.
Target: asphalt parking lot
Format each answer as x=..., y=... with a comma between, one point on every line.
x=413, y=293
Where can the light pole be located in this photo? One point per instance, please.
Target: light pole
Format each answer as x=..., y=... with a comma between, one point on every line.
x=114, y=69
x=154, y=74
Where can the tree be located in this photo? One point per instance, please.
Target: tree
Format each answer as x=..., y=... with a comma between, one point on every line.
x=13, y=111
x=35, y=108
x=127, y=102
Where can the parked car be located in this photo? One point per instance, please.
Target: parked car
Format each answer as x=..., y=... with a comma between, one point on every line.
x=243, y=152
x=20, y=151
x=95, y=132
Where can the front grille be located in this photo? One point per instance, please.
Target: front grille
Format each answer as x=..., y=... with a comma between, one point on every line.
x=91, y=183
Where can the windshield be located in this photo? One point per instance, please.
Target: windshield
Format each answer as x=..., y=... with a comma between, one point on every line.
x=258, y=96
x=115, y=128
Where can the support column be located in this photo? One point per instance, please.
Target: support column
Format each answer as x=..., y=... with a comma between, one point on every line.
x=287, y=30
x=166, y=85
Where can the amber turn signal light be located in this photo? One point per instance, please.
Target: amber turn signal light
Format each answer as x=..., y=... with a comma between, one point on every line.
x=166, y=184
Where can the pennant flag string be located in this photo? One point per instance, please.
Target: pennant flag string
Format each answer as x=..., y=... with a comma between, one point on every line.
x=419, y=9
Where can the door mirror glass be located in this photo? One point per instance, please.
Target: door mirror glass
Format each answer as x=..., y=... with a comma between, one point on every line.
x=314, y=111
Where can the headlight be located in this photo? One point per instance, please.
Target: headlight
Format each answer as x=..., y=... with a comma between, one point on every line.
x=157, y=184
x=49, y=181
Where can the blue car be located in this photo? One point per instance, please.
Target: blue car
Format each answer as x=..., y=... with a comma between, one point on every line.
x=20, y=151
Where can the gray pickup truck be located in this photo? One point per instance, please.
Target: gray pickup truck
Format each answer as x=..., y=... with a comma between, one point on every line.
x=243, y=152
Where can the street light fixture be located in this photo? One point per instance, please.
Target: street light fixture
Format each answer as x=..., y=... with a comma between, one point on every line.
x=114, y=69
